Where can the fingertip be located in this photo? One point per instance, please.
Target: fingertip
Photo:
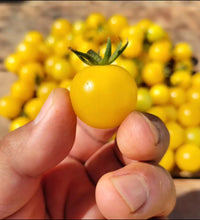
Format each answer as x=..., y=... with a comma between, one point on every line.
x=142, y=137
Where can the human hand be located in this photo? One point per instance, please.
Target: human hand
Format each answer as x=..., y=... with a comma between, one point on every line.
x=56, y=167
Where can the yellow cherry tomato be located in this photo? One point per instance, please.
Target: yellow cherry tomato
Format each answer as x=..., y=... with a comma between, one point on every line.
x=95, y=94
x=185, y=64
x=31, y=72
x=168, y=160
x=181, y=78
x=116, y=23
x=193, y=135
x=10, y=107
x=13, y=62
x=134, y=48
x=155, y=33
x=144, y=99
x=171, y=112
x=60, y=27
x=132, y=31
x=33, y=37
x=182, y=51
x=144, y=24
x=18, y=122
x=95, y=20
x=45, y=88
x=28, y=52
x=193, y=95
x=160, y=51
x=159, y=112
x=160, y=94
x=177, y=134
x=49, y=63
x=33, y=106
x=129, y=65
x=153, y=73
x=188, y=114
x=78, y=27
x=22, y=90
x=177, y=96
x=61, y=47
x=187, y=157
x=62, y=69
x=196, y=80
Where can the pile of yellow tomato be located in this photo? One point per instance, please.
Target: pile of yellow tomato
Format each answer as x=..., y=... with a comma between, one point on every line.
x=168, y=86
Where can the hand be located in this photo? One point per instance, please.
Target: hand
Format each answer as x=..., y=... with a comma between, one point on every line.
x=56, y=167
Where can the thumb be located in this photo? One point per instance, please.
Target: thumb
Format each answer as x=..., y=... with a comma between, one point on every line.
x=26, y=153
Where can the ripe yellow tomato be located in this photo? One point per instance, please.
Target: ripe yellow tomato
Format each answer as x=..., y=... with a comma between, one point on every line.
x=33, y=37
x=160, y=94
x=95, y=20
x=177, y=96
x=45, y=88
x=95, y=94
x=158, y=111
x=196, y=80
x=182, y=51
x=22, y=90
x=60, y=27
x=177, y=134
x=153, y=73
x=193, y=95
x=187, y=157
x=18, y=122
x=13, y=62
x=144, y=99
x=188, y=114
x=171, y=112
x=31, y=72
x=10, y=107
x=33, y=106
x=193, y=135
x=144, y=24
x=155, y=33
x=168, y=160
x=132, y=31
x=182, y=78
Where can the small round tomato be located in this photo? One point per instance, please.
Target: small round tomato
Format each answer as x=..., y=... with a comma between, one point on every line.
x=193, y=135
x=144, y=24
x=168, y=160
x=95, y=20
x=154, y=33
x=22, y=90
x=153, y=73
x=177, y=134
x=116, y=23
x=33, y=37
x=10, y=107
x=33, y=106
x=132, y=31
x=30, y=72
x=193, y=95
x=13, y=62
x=60, y=27
x=177, y=96
x=188, y=114
x=181, y=78
x=62, y=69
x=78, y=27
x=196, y=80
x=96, y=91
x=160, y=51
x=160, y=94
x=45, y=88
x=28, y=52
x=171, y=112
x=182, y=51
x=18, y=122
x=187, y=157
x=158, y=111
x=144, y=99
x=61, y=47
x=134, y=48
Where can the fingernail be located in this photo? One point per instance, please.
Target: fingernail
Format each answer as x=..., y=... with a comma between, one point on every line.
x=150, y=121
x=133, y=189
x=45, y=108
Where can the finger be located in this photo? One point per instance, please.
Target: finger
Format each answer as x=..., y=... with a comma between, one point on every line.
x=136, y=191
x=31, y=150
x=88, y=140
x=142, y=137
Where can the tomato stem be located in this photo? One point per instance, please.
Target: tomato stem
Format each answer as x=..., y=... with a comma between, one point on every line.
x=93, y=58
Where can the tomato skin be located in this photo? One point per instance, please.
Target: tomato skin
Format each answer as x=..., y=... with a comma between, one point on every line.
x=102, y=96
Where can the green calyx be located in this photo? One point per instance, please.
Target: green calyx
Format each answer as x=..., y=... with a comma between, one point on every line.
x=93, y=58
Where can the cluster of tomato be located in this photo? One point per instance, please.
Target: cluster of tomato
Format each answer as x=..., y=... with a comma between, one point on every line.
x=164, y=72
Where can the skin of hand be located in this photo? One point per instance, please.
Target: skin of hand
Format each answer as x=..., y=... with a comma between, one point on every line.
x=57, y=167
